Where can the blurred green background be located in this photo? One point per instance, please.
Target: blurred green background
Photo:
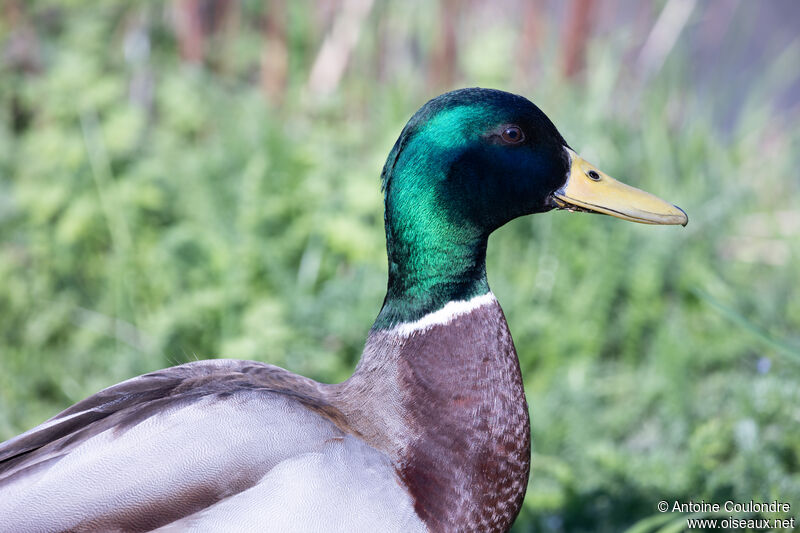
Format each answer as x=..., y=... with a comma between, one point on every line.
x=195, y=178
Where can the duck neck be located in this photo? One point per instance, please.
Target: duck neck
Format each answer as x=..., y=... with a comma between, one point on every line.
x=428, y=271
x=443, y=397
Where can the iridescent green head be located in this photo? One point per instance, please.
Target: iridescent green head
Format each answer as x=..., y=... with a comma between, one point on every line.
x=465, y=164
x=472, y=160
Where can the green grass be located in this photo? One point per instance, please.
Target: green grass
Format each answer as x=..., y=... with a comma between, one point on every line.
x=660, y=363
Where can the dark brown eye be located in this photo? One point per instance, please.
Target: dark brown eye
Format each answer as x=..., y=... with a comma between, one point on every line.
x=512, y=135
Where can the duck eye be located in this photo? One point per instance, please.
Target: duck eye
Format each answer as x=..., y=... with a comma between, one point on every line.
x=593, y=175
x=512, y=135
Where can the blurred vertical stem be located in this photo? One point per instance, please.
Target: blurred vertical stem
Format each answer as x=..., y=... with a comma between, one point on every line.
x=529, y=40
x=576, y=36
x=274, y=65
x=445, y=52
x=663, y=36
x=338, y=46
x=121, y=240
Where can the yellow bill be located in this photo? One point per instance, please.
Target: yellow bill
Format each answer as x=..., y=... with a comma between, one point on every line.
x=588, y=189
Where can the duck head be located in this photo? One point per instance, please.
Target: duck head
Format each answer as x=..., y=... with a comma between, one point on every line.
x=465, y=164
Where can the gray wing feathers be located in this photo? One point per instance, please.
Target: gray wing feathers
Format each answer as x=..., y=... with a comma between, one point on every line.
x=191, y=443
x=77, y=422
x=128, y=403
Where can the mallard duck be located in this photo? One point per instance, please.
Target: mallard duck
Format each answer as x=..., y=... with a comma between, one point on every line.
x=431, y=432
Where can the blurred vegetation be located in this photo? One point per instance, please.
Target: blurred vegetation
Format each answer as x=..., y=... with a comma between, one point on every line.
x=200, y=179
